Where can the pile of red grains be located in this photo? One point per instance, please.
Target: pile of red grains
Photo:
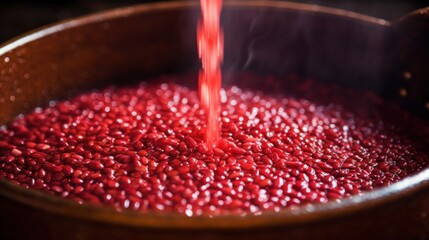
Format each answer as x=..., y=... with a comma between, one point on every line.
x=142, y=148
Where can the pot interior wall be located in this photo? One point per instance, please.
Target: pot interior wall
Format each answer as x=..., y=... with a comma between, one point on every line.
x=136, y=45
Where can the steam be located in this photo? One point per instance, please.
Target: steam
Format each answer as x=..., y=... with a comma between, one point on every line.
x=330, y=45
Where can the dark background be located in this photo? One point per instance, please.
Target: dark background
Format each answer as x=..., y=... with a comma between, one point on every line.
x=19, y=16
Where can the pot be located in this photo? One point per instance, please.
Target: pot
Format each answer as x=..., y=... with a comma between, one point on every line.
x=125, y=45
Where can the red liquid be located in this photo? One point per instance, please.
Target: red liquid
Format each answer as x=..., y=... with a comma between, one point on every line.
x=210, y=48
x=143, y=148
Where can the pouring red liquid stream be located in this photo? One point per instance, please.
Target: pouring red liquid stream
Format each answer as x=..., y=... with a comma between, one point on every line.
x=210, y=48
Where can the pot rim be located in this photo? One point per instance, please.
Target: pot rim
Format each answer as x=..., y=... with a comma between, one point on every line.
x=150, y=7
x=288, y=216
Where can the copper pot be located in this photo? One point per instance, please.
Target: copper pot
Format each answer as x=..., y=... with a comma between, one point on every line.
x=261, y=37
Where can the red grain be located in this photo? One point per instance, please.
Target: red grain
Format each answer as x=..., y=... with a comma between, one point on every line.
x=150, y=155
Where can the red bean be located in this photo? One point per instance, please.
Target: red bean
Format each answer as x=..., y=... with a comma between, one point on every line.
x=124, y=180
x=183, y=147
x=41, y=173
x=265, y=183
x=67, y=170
x=95, y=165
x=191, y=142
x=183, y=169
x=247, y=167
x=112, y=184
x=57, y=189
x=236, y=175
x=223, y=144
x=148, y=153
x=42, y=146
x=238, y=151
x=15, y=152
x=293, y=164
x=218, y=151
x=202, y=148
x=325, y=166
x=76, y=181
